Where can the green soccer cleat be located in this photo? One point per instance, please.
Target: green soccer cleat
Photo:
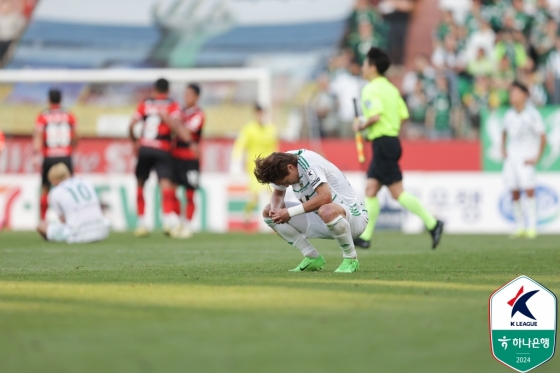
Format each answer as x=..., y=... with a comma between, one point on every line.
x=520, y=233
x=348, y=266
x=310, y=265
x=531, y=234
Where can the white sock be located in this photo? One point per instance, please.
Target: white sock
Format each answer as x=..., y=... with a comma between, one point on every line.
x=141, y=222
x=531, y=212
x=170, y=220
x=343, y=235
x=518, y=215
x=294, y=238
x=186, y=223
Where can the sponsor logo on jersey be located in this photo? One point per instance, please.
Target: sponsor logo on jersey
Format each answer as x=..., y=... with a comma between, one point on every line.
x=311, y=175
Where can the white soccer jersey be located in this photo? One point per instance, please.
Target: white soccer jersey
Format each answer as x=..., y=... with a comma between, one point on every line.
x=315, y=170
x=75, y=199
x=523, y=133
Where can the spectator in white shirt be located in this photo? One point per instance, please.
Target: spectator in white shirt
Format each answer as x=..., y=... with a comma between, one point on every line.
x=422, y=71
x=446, y=57
x=484, y=38
x=345, y=86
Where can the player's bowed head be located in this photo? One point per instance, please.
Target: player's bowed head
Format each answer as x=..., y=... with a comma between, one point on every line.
x=58, y=173
x=281, y=169
x=278, y=168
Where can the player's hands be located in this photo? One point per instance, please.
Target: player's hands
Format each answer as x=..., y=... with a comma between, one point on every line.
x=531, y=162
x=281, y=216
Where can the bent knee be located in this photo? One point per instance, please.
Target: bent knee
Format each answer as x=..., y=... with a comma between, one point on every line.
x=266, y=211
x=371, y=190
x=396, y=194
x=327, y=213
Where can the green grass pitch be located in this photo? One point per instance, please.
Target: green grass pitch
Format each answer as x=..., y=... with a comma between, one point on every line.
x=226, y=303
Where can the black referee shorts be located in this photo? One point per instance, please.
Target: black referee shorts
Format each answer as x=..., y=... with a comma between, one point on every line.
x=384, y=166
x=186, y=172
x=150, y=158
x=48, y=162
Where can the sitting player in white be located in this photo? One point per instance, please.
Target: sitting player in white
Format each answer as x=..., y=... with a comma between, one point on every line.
x=329, y=207
x=524, y=140
x=76, y=203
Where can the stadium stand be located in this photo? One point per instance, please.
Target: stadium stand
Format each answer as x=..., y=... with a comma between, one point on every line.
x=480, y=47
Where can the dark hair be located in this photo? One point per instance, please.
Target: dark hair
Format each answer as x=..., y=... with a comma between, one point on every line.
x=162, y=85
x=274, y=167
x=521, y=86
x=195, y=88
x=55, y=96
x=379, y=59
x=258, y=107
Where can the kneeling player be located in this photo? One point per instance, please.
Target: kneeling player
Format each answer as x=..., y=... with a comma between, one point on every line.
x=329, y=207
x=77, y=205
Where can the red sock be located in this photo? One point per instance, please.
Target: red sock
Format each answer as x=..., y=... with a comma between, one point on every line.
x=168, y=197
x=140, y=204
x=176, y=205
x=44, y=205
x=190, y=204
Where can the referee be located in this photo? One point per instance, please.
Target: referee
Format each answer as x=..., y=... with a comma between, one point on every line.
x=383, y=111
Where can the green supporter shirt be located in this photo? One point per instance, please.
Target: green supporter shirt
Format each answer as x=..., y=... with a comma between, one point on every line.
x=380, y=97
x=442, y=105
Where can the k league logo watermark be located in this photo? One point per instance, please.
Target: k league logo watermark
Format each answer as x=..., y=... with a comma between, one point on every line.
x=522, y=317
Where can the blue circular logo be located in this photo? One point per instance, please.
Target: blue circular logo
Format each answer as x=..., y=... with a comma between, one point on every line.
x=547, y=205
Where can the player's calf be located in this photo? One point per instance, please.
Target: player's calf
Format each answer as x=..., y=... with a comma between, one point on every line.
x=334, y=217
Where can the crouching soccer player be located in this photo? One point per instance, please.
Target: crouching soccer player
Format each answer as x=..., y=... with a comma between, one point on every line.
x=329, y=207
x=76, y=203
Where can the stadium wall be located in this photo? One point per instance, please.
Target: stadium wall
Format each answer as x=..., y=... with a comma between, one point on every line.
x=469, y=202
x=102, y=155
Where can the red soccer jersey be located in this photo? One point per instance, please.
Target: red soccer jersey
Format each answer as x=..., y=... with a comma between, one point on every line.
x=193, y=120
x=156, y=133
x=59, y=129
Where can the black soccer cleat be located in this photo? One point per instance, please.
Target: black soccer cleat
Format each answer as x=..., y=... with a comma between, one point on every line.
x=436, y=234
x=362, y=244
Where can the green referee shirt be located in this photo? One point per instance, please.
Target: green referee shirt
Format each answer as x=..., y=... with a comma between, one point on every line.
x=380, y=97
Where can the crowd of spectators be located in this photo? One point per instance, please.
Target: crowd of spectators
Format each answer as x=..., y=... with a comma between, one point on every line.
x=13, y=18
x=374, y=23
x=480, y=48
